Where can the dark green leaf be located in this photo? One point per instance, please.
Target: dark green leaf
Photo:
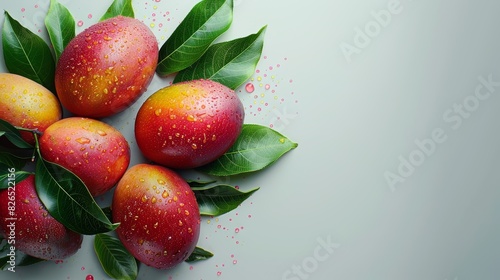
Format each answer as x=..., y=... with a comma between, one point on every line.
x=204, y=23
x=60, y=26
x=14, y=157
x=13, y=135
x=229, y=63
x=197, y=184
x=119, y=8
x=27, y=54
x=220, y=199
x=68, y=200
x=256, y=148
x=199, y=254
x=116, y=261
x=108, y=213
x=6, y=176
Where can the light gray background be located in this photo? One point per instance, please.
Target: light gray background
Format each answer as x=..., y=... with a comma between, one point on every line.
x=354, y=120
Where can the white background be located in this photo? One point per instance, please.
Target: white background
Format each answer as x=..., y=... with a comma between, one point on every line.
x=357, y=117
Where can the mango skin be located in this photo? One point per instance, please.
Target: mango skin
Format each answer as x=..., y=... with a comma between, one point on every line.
x=107, y=67
x=93, y=150
x=36, y=232
x=189, y=124
x=158, y=214
x=25, y=103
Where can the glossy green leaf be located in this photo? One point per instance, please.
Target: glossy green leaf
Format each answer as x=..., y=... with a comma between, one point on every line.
x=68, y=200
x=14, y=157
x=8, y=178
x=60, y=25
x=219, y=199
x=206, y=21
x=12, y=134
x=119, y=8
x=116, y=261
x=198, y=184
x=256, y=148
x=27, y=54
x=229, y=63
x=199, y=254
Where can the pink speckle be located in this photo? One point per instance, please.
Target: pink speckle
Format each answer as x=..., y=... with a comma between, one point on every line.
x=58, y=261
x=249, y=215
x=80, y=23
x=36, y=6
x=23, y=10
x=89, y=277
x=235, y=261
x=191, y=267
x=257, y=71
x=268, y=86
x=249, y=87
x=89, y=16
x=219, y=273
x=270, y=68
x=236, y=230
x=83, y=268
x=157, y=1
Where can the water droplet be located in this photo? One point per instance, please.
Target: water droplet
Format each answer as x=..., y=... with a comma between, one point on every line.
x=191, y=118
x=144, y=198
x=153, y=200
x=194, y=146
x=180, y=223
x=249, y=87
x=282, y=140
x=236, y=230
x=158, y=112
x=102, y=133
x=164, y=194
x=83, y=140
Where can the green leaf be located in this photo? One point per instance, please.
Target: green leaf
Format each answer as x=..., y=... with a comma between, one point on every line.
x=6, y=176
x=206, y=21
x=199, y=254
x=13, y=135
x=116, y=261
x=27, y=54
x=229, y=63
x=119, y=8
x=219, y=199
x=197, y=184
x=256, y=148
x=68, y=200
x=14, y=157
x=60, y=25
